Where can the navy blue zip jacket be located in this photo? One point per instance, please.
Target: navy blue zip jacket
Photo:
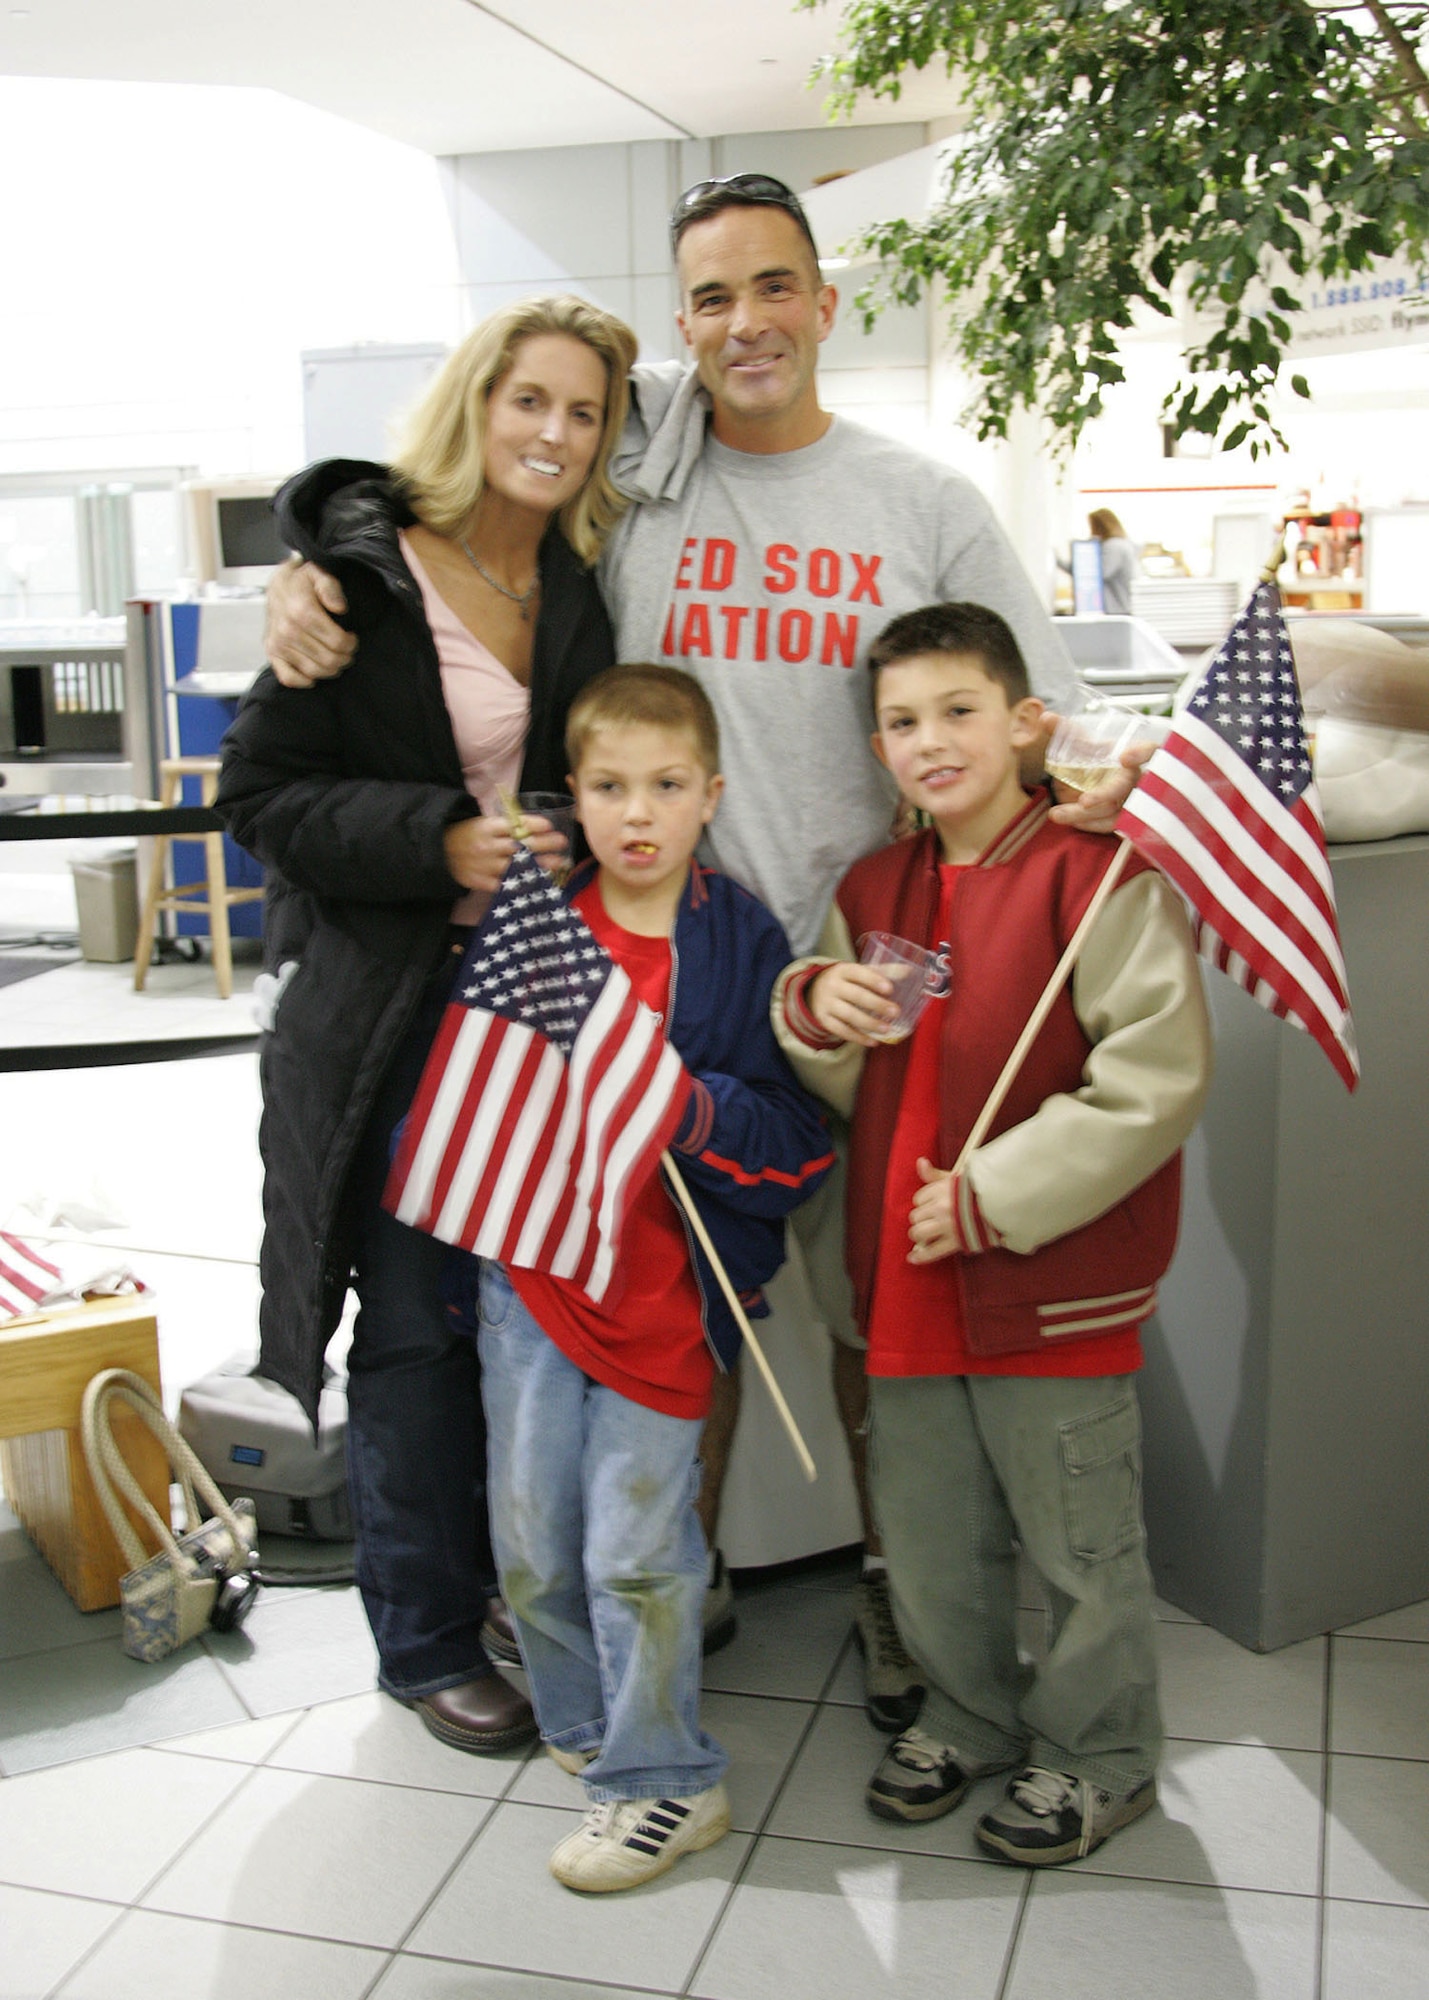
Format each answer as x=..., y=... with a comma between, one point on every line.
x=752, y=1143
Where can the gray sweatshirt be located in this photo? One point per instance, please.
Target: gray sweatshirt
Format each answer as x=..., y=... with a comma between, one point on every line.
x=768, y=576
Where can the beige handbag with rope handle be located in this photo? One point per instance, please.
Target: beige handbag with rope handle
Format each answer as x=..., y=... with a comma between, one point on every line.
x=196, y=1579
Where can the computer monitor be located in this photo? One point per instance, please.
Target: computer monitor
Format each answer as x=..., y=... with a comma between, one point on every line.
x=233, y=537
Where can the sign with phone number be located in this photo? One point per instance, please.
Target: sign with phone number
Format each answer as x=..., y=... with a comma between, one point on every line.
x=1385, y=306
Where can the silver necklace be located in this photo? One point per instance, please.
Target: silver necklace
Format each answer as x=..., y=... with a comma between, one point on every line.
x=520, y=598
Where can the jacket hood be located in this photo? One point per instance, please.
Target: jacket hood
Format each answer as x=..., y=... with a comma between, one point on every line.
x=343, y=514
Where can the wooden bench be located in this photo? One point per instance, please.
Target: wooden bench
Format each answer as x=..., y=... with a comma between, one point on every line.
x=45, y=1363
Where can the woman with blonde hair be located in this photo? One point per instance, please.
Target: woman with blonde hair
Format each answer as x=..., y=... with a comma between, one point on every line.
x=374, y=801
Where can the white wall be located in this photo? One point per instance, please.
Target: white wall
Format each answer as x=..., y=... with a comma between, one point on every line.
x=595, y=220
x=169, y=251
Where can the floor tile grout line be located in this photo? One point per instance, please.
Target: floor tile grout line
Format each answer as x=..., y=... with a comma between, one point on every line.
x=204, y=1824
x=583, y=1980
x=121, y=1915
x=737, y=1880
x=1069, y=1872
x=1009, y=1957
x=1327, y=1737
x=493, y=1806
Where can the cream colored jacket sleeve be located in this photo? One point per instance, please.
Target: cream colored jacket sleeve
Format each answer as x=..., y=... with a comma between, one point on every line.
x=1138, y=994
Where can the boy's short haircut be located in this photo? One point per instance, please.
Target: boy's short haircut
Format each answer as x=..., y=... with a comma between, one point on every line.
x=643, y=695
x=966, y=629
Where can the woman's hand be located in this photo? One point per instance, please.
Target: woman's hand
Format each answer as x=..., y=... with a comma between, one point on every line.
x=302, y=642
x=853, y=1003
x=479, y=848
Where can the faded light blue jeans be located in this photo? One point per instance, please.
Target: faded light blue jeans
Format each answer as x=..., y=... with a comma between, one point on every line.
x=601, y=1557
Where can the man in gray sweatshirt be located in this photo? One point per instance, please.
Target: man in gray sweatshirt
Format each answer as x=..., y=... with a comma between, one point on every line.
x=769, y=544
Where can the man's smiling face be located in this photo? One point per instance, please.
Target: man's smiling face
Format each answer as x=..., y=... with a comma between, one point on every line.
x=753, y=312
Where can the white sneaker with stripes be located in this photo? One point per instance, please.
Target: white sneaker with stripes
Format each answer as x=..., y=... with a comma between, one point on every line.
x=625, y=1842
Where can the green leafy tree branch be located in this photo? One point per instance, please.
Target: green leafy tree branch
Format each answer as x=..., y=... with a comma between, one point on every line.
x=1211, y=153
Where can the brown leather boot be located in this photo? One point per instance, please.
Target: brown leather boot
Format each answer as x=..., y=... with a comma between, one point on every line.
x=483, y=1716
x=498, y=1634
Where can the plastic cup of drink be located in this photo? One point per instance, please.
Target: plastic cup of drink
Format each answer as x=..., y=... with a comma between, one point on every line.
x=559, y=808
x=1087, y=747
x=913, y=971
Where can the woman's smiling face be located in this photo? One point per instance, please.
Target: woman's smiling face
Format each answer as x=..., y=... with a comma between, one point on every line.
x=543, y=422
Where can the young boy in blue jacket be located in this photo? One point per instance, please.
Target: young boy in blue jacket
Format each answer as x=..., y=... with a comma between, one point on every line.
x=594, y=1415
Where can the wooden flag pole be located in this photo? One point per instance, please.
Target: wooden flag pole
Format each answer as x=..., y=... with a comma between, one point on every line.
x=1044, y=1005
x=786, y=1415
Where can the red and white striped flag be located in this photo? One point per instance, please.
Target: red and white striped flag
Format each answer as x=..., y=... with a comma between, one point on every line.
x=1227, y=808
x=62, y=1274
x=549, y=1095
x=26, y=1278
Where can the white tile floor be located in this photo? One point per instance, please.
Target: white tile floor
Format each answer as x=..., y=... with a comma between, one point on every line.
x=250, y=1817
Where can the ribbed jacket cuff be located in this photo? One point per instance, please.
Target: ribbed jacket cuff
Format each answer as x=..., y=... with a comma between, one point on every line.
x=698, y=1121
x=798, y=1018
x=976, y=1231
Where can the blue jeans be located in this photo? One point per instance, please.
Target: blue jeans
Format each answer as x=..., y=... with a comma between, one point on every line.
x=964, y=1469
x=415, y=1433
x=601, y=1556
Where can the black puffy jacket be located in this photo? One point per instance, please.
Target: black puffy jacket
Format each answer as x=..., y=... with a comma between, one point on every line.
x=343, y=791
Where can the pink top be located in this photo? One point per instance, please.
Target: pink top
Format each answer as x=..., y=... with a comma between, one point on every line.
x=490, y=712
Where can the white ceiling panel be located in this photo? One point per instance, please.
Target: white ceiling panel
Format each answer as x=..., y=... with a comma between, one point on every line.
x=453, y=76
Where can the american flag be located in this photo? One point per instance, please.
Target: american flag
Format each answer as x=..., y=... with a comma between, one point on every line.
x=1227, y=808
x=549, y=1094
x=26, y=1278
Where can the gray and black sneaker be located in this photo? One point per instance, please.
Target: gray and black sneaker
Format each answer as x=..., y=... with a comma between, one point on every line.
x=892, y=1686
x=919, y=1778
x=1049, y=1817
x=718, y=1619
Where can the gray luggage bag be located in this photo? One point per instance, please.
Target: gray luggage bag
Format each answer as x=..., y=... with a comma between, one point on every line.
x=254, y=1439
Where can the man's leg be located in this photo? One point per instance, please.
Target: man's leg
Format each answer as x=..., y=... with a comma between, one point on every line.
x=892, y=1683
x=716, y=1443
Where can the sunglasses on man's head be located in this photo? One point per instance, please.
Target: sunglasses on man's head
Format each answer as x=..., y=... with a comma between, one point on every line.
x=710, y=196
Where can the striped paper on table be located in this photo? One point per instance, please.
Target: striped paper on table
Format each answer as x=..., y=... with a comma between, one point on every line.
x=26, y=1278
x=1227, y=809
x=548, y=1096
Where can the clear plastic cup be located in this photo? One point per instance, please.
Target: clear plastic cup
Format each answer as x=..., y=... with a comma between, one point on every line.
x=913, y=971
x=560, y=809
x=1087, y=747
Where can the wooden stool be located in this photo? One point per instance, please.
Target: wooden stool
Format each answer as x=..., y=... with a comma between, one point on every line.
x=217, y=897
x=45, y=1362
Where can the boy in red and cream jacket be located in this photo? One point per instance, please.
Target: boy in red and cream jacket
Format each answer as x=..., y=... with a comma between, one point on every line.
x=1002, y=1304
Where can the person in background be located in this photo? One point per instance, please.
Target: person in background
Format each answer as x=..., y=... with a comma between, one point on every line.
x=769, y=541
x=1120, y=562
x=374, y=801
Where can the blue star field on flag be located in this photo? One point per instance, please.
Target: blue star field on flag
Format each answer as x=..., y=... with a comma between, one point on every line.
x=1250, y=697
x=533, y=960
